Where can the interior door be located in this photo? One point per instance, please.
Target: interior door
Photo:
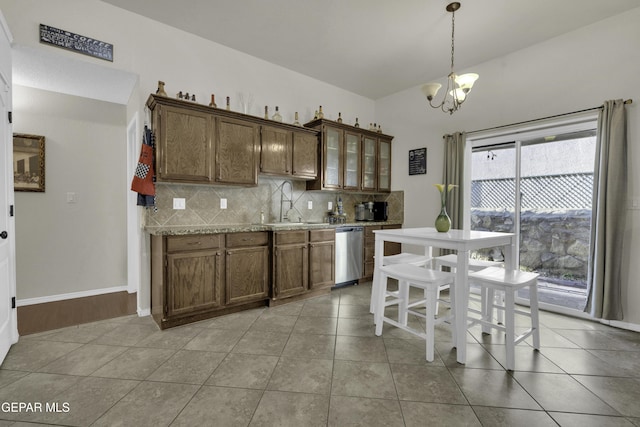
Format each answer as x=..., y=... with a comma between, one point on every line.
x=8, y=324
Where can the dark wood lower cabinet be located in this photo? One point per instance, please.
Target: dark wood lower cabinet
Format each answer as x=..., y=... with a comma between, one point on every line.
x=196, y=281
x=247, y=275
x=195, y=277
x=303, y=263
x=390, y=248
x=290, y=270
x=200, y=276
x=322, y=244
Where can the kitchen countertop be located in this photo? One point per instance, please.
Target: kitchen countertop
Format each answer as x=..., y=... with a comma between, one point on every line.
x=183, y=230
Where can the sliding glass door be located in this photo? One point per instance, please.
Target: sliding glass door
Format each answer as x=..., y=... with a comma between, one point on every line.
x=540, y=188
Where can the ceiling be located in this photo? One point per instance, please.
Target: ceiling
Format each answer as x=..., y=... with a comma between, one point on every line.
x=375, y=47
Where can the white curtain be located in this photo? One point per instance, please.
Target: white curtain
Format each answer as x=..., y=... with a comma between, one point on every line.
x=609, y=213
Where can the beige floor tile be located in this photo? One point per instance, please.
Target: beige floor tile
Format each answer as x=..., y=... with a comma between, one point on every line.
x=623, y=394
x=557, y=392
x=284, y=409
x=416, y=383
x=149, y=404
x=244, y=370
x=229, y=407
x=84, y=360
x=319, y=310
x=31, y=355
x=262, y=342
x=87, y=400
x=134, y=364
x=362, y=379
x=588, y=420
x=35, y=388
x=365, y=349
x=583, y=362
x=127, y=334
x=216, y=340
x=241, y=320
x=311, y=346
x=316, y=325
x=188, y=366
x=360, y=411
x=492, y=388
x=274, y=323
x=419, y=414
x=174, y=338
x=318, y=362
x=505, y=417
x=302, y=375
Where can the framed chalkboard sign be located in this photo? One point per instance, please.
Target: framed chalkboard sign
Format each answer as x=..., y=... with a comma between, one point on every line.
x=76, y=42
x=418, y=161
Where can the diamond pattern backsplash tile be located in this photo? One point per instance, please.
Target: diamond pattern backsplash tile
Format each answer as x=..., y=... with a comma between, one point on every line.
x=245, y=204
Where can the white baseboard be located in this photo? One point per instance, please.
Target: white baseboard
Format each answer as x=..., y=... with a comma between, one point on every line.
x=622, y=325
x=143, y=313
x=72, y=295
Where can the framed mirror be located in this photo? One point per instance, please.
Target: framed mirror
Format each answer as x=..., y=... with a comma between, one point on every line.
x=28, y=162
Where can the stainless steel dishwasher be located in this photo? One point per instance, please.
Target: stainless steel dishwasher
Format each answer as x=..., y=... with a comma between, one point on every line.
x=349, y=246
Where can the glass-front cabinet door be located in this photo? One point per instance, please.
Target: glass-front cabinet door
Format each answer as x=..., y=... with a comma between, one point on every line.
x=333, y=142
x=384, y=165
x=369, y=163
x=351, y=161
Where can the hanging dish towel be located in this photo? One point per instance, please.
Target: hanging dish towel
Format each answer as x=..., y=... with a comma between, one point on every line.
x=143, y=179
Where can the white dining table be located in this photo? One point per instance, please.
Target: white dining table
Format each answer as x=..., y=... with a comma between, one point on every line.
x=462, y=241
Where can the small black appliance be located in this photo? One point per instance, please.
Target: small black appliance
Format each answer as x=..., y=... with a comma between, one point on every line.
x=380, y=211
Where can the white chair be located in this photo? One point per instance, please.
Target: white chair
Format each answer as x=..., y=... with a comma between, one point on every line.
x=509, y=282
x=451, y=261
x=401, y=258
x=413, y=276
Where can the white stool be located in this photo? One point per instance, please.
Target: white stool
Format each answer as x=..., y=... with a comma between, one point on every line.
x=508, y=281
x=401, y=258
x=451, y=261
x=411, y=275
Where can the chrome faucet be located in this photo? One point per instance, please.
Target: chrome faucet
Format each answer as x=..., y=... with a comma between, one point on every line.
x=284, y=214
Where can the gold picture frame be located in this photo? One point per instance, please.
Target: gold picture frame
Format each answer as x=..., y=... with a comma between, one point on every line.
x=28, y=162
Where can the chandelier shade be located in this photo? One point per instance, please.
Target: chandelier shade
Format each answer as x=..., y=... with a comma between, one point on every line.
x=458, y=87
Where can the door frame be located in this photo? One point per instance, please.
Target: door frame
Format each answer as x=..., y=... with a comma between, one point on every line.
x=9, y=333
x=516, y=134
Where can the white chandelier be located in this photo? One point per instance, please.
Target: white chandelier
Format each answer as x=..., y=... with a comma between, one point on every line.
x=457, y=86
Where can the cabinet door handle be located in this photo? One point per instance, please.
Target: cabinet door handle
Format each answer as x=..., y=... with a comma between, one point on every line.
x=194, y=243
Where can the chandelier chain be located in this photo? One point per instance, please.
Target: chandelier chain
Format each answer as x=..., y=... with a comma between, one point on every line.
x=453, y=29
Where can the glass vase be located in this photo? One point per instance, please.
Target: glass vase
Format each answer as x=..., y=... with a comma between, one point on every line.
x=443, y=222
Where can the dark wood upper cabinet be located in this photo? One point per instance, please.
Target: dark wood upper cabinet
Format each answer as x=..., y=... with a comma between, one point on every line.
x=352, y=159
x=184, y=145
x=275, y=151
x=205, y=145
x=305, y=155
x=236, y=152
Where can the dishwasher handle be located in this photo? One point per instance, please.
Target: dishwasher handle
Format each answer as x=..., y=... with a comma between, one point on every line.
x=349, y=229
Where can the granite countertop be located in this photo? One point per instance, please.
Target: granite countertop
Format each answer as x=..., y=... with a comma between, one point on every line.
x=182, y=230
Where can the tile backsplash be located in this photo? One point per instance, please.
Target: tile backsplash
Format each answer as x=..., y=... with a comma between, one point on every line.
x=244, y=205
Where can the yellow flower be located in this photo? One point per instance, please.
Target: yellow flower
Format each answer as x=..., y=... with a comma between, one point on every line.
x=443, y=194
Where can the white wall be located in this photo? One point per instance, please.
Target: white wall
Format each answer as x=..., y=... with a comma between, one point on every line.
x=572, y=72
x=185, y=63
x=71, y=247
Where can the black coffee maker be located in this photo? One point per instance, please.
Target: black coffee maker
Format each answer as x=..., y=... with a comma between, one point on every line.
x=380, y=211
